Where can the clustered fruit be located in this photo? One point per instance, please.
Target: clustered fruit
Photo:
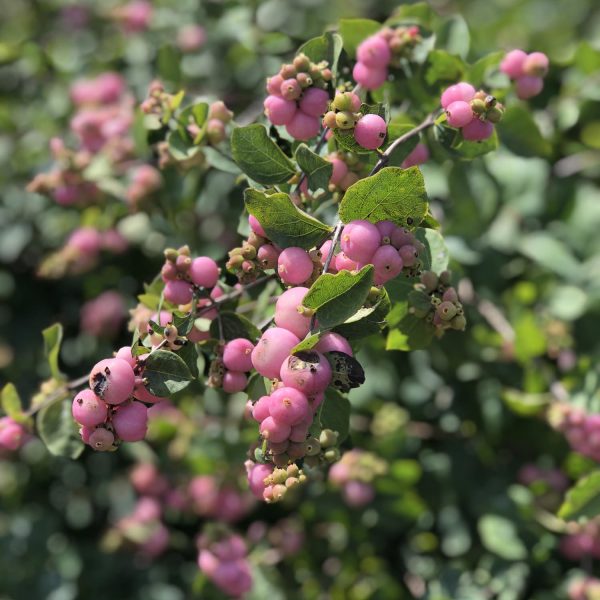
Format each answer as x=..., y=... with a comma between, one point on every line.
x=12, y=434
x=583, y=540
x=587, y=588
x=581, y=429
x=527, y=71
x=298, y=96
x=473, y=112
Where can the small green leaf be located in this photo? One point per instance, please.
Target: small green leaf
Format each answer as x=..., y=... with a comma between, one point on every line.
x=181, y=146
x=410, y=334
x=524, y=404
x=436, y=255
x=326, y=47
x=256, y=387
x=336, y=298
x=366, y=321
x=307, y=343
x=454, y=36
x=189, y=354
x=166, y=373
x=169, y=64
x=583, y=499
x=334, y=413
x=354, y=31
x=259, y=156
x=443, y=67
x=477, y=72
x=217, y=160
x=317, y=169
x=57, y=429
x=530, y=340
x=283, y=222
x=234, y=326
x=499, y=535
x=11, y=402
x=393, y=194
x=52, y=340
x=520, y=133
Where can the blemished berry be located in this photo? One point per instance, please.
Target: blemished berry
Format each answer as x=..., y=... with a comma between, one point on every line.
x=288, y=312
x=344, y=120
x=370, y=78
x=344, y=263
x=274, y=85
x=401, y=237
x=101, y=439
x=279, y=110
x=528, y=87
x=331, y=341
x=274, y=431
x=288, y=406
x=388, y=264
x=308, y=372
x=461, y=91
x=303, y=127
x=256, y=226
x=299, y=432
x=512, y=63
x=237, y=355
x=113, y=380
x=204, y=272
x=267, y=256
x=408, y=254
x=178, y=292
x=88, y=409
x=290, y=89
x=261, y=408
x=131, y=421
x=477, y=130
x=314, y=102
x=340, y=169
x=374, y=52
x=359, y=241
x=536, y=64
x=294, y=266
x=272, y=349
x=370, y=131
x=459, y=113
x=234, y=381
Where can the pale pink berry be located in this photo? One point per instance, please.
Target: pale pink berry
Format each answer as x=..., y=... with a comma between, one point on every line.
x=314, y=102
x=12, y=434
x=261, y=409
x=274, y=431
x=294, y=266
x=387, y=263
x=131, y=421
x=288, y=406
x=459, y=113
x=163, y=320
x=234, y=381
x=461, y=91
x=101, y=439
x=85, y=433
x=290, y=89
x=418, y=156
x=207, y=561
x=267, y=256
x=359, y=240
x=349, y=179
x=256, y=226
x=303, y=127
x=274, y=85
x=332, y=341
x=88, y=409
x=113, y=380
x=308, y=372
x=204, y=272
x=358, y=493
x=124, y=353
x=401, y=237
x=141, y=393
x=86, y=240
x=237, y=355
x=272, y=349
x=477, y=130
x=340, y=168
x=299, y=432
x=408, y=254
x=386, y=230
x=528, y=87
x=287, y=313
x=374, y=52
x=512, y=63
x=279, y=110
x=370, y=78
x=370, y=131
x=178, y=291
x=536, y=64
x=343, y=263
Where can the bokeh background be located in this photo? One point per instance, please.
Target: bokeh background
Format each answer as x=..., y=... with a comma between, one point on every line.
x=521, y=225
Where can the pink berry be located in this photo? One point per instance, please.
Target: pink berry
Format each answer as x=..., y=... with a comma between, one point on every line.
x=274, y=431
x=12, y=434
x=113, y=380
x=401, y=237
x=418, y=156
x=324, y=251
x=340, y=168
x=234, y=381
x=101, y=439
x=237, y=355
x=343, y=263
x=85, y=433
x=359, y=240
x=308, y=372
x=141, y=393
x=408, y=254
x=370, y=131
x=131, y=421
x=124, y=353
x=267, y=256
x=370, y=78
x=257, y=473
x=274, y=85
x=261, y=408
x=178, y=291
x=386, y=230
x=299, y=432
x=279, y=110
x=459, y=113
x=303, y=127
x=288, y=406
x=256, y=226
x=294, y=266
x=536, y=65
x=88, y=409
x=512, y=63
x=287, y=314
x=477, y=130
x=387, y=263
x=272, y=349
x=528, y=87
x=460, y=91
x=332, y=341
x=290, y=89
x=204, y=272
x=374, y=52
x=314, y=102
x=358, y=493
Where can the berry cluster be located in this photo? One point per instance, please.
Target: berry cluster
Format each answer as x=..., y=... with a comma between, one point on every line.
x=12, y=434
x=355, y=473
x=298, y=96
x=375, y=54
x=218, y=116
x=216, y=500
x=587, y=588
x=436, y=301
x=581, y=429
x=369, y=130
x=583, y=542
x=473, y=112
x=527, y=71
x=270, y=483
x=229, y=370
x=145, y=180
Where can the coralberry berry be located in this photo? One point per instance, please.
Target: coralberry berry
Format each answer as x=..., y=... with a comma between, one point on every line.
x=370, y=131
x=289, y=312
x=237, y=355
x=294, y=266
x=272, y=349
x=131, y=421
x=359, y=241
x=113, y=380
x=88, y=409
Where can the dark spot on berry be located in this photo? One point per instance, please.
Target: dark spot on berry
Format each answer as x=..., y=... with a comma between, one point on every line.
x=410, y=220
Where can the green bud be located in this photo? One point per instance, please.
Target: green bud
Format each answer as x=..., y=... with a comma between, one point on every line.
x=459, y=322
x=328, y=438
x=301, y=62
x=171, y=254
x=478, y=106
x=494, y=114
x=312, y=447
x=332, y=455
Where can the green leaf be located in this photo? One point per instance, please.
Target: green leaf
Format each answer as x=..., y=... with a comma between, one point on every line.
x=234, y=326
x=259, y=156
x=166, y=373
x=477, y=72
x=283, y=222
x=217, y=160
x=520, y=133
x=337, y=297
x=11, y=402
x=523, y=404
x=181, y=147
x=317, y=169
x=436, y=255
x=583, y=499
x=334, y=413
x=307, y=343
x=410, y=334
x=53, y=336
x=256, y=387
x=396, y=130
x=499, y=535
x=325, y=47
x=366, y=321
x=443, y=67
x=57, y=429
x=530, y=340
x=189, y=354
x=419, y=13
x=550, y=253
x=354, y=31
x=393, y=194
x=169, y=64
x=454, y=36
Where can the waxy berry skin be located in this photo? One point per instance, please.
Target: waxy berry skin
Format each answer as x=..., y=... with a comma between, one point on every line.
x=370, y=131
x=113, y=380
x=370, y=78
x=374, y=52
x=272, y=349
x=279, y=110
x=288, y=406
x=237, y=355
x=294, y=266
x=359, y=241
x=131, y=421
x=459, y=113
x=287, y=313
x=204, y=272
x=88, y=409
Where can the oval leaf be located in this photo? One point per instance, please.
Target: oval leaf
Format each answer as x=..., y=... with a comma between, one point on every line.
x=583, y=499
x=166, y=373
x=318, y=170
x=58, y=430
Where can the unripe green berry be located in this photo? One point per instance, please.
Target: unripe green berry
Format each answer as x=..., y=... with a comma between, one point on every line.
x=446, y=311
x=495, y=114
x=304, y=79
x=281, y=460
x=459, y=322
x=288, y=71
x=312, y=447
x=478, y=106
x=328, y=438
x=342, y=101
x=171, y=254
x=329, y=120
x=332, y=454
x=445, y=278
x=344, y=120
x=248, y=251
x=301, y=62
